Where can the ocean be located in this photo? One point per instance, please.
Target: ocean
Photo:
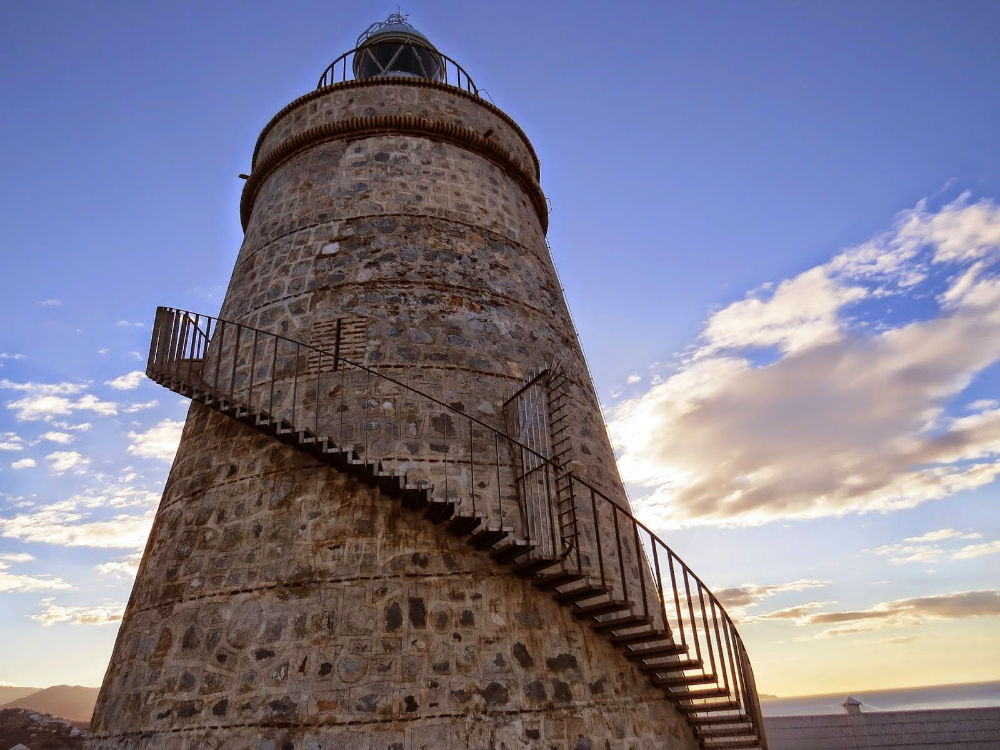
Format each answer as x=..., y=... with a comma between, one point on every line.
x=969, y=695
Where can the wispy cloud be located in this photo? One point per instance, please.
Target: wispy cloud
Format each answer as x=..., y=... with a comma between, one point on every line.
x=749, y=594
x=932, y=547
x=101, y=517
x=51, y=302
x=130, y=324
x=159, y=442
x=978, y=550
x=844, y=419
x=15, y=582
x=62, y=461
x=6, y=355
x=891, y=614
x=101, y=614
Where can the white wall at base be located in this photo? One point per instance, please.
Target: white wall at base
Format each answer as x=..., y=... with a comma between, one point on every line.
x=939, y=729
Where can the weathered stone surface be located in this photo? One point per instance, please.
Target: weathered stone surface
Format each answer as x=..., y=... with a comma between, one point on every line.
x=282, y=604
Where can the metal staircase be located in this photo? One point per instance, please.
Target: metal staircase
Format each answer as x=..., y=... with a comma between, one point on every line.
x=513, y=502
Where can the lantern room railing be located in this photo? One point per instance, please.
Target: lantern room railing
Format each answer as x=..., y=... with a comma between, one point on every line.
x=448, y=72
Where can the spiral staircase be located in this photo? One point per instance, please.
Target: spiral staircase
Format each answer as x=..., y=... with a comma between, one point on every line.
x=513, y=499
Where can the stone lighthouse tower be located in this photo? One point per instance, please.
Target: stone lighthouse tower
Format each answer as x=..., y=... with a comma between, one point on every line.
x=394, y=519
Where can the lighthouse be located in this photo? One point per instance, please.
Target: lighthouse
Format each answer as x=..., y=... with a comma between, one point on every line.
x=394, y=519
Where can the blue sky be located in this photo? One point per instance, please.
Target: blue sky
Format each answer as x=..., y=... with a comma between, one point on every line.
x=777, y=226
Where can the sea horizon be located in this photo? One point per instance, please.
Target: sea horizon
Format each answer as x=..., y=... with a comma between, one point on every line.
x=960, y=695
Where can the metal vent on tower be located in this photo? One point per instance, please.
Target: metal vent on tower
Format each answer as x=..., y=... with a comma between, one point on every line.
x=394, y=48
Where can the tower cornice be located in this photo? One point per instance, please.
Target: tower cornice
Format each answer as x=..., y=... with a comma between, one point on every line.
x=410, y=82
x=360, y=127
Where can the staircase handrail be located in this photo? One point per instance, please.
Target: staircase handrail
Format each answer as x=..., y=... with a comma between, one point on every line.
x=187, y=343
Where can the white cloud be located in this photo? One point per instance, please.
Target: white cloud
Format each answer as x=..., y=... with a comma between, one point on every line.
x=10, y=582
x=978, y=550
x=983, y=404
x=844, y=420
x=633, y=378
x=51, y=302
x=128, y=381
x=941, y=535
x=44, y=401
x=16, y=557
x=63, y=438
x=139, y=406
x=5, y=355
x=103, y=350
x=62, y=461
x=24, y=463
x=11, y=441
x=14, y=582
x=81, y=427
x=159, y=442
x=899, y=554
x=126, y=567
x=131, y=324
x=100, y=614
x=65, y=527
x=93, y=518
x=801, y=313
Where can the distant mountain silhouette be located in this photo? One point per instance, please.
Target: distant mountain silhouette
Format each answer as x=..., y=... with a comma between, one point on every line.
x=10, y=693
x=71, y=702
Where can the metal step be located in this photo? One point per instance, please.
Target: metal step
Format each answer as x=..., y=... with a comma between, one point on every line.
x=670, y=666
x=390, y=483
x=654, y=652
x=487, y=536
x=416, y=496
x=620, y=622
x=552, y=580
x=688, y=695
x=601, y=608
x=732, y=744
x=741, y=720
x=462, y=525
x=683, y=681
x=711, y=734
x=698, y=708
x=639, y=636
x=580, y=594
x=510, y=549
x=439, y=510
x=530, y=566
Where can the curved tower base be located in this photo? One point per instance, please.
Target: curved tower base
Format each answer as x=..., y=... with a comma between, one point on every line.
x=282, y=604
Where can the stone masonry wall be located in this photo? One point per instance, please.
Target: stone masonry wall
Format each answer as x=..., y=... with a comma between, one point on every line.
x=280, y=604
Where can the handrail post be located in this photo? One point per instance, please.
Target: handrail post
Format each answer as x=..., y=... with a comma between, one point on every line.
x=319, y=369
x=472, y=470
x=221, y=331
x=295, y=385
x=621, y=556
x=496, y=448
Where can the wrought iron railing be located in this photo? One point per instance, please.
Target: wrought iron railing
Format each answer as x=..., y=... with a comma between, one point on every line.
x=529, y=510
x=446, y=70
